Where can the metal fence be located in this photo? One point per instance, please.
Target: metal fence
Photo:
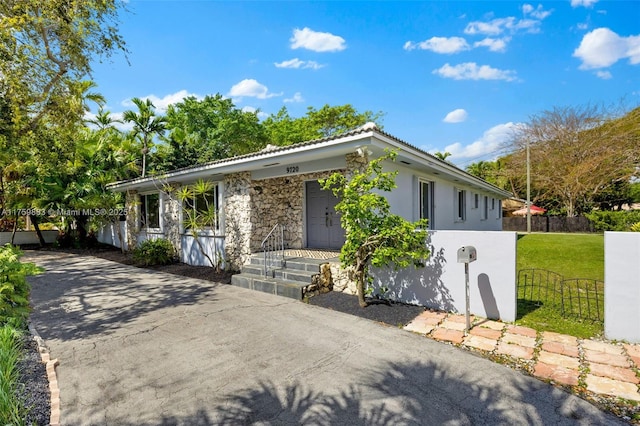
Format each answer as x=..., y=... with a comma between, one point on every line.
x=576, y=297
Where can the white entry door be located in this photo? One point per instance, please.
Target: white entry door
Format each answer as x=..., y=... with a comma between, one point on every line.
x=323, y=223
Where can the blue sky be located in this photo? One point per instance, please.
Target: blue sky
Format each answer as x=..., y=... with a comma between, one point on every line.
x=449, y=75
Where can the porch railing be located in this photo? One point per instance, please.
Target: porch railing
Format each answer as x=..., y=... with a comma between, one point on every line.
x=273, y=250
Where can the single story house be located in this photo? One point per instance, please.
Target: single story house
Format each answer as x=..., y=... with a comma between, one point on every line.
x=279, y=185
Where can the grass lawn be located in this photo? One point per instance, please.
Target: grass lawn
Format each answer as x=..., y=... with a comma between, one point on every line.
x=570, y=255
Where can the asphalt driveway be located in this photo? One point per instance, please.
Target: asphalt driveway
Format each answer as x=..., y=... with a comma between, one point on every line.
x=141, y=347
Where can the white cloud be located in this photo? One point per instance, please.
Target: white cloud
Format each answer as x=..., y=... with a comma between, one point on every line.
x=583, y=26
x=251, y=88
x=440, y=45
x=161, y=104
x=472, y=71
x=605, y=75
x=493, y=44
x=298, y=64
x=491, y=142
x=261, y=115
x=497, y=26
x=602, y=48
x=297, y=97
x=306, y=38
x=456, y=116
x=538, y=12
x=585, y=3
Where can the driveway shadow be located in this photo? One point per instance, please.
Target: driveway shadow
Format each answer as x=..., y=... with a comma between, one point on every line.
x=79, y=296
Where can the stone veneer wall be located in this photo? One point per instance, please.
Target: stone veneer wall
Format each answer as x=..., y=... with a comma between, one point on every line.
x=171, y=218
x=280, y=200
x=132, y=201
x=238, y=218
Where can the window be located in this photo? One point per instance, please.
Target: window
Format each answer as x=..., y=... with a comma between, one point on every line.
x=150, y=211
x=476, y=201
x=499, y=211
x=485, y=208
x=426, y=202
x=493, y=204
x=461, y=207
x=201, y=211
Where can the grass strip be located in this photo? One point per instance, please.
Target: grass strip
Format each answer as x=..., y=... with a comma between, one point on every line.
x=11, y=409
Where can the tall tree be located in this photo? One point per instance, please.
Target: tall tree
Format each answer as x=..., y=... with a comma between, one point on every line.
x=213, y=128
x=577, y=152
x=146, y=125
x=282, y=129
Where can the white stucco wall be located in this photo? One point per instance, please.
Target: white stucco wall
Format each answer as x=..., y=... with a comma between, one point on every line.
x=405, y=201
x=622, y=286
x=28, y=237
x=441, y=284
x=191, y=253
x=108, y=234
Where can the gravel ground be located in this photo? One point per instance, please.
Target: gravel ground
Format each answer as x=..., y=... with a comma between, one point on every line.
x=34, y=389
x=395, y=314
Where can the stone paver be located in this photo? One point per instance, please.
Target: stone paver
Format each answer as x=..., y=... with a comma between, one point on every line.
x=612, y=372
x=559, y=360
x=605, y=358
x=515, y=351
x=480, y=342
x=419, y=327
x=523, y=331
x=453, y=325
x=634, y=353
x=561, y=348
x=448, y=335
x=519, y=339
x=604, y=347
x=604, y=385
x=556, y=373
x=549, y=336
x=461, y=318
x=485, y=332
x=493, y=325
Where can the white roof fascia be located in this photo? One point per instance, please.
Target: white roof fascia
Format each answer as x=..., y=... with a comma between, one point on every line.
x=244, y=163
x=435, y=163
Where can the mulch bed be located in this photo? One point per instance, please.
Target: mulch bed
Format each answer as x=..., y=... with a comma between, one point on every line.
x=395, y=314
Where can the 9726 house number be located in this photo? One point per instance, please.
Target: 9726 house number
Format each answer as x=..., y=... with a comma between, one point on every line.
x=293, y=169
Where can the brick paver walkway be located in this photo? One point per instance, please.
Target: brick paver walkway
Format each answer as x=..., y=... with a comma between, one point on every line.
x=602, y=367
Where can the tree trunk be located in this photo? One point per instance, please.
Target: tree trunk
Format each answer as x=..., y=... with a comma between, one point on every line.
x=81, y=227
x=119, y=231
x=34, y=221
x=13, y=233
x=360, y=289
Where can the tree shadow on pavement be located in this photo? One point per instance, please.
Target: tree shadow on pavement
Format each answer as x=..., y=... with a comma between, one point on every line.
x=80, y=296
x=413, y=393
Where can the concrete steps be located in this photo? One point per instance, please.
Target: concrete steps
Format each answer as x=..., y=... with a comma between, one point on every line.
x=291, y=280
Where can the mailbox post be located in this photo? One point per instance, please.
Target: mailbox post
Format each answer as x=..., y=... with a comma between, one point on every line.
x=466, y=255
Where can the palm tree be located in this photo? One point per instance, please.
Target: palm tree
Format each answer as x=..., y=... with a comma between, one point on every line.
x=146, y=124
x=103, y=120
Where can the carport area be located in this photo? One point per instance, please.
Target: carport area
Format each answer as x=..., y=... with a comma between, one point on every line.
x=142, y=347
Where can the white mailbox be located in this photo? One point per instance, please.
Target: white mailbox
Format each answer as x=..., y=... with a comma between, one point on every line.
x=467, y=254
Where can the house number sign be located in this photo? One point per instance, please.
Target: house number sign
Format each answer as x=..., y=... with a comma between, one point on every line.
x=293, y=169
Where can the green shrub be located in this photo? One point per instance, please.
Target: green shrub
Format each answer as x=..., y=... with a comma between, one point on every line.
x=613, y=221
x=11, y=409
x=154, y=252
x=14, y=289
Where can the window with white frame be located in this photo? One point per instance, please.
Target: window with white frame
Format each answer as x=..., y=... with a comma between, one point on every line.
x=150, y=211
x=476, y=201
x=485, y=208
x=426, y=201
x=499, y=210
x=461, y=205
x=493, y=204
x=201, y=210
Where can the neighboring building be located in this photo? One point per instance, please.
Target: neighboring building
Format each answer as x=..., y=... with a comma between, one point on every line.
x=279, y=185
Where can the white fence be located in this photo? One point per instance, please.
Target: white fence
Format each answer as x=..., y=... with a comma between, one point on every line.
x=28, y=237
x=108, y=234
x=441, y=283
x=622, y=286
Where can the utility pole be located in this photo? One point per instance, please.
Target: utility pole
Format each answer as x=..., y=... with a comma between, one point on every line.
x=528, y=189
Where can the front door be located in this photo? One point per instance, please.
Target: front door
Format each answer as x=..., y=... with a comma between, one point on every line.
x=323, y=223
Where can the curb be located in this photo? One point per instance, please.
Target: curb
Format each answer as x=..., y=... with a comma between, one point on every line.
x=50, y=365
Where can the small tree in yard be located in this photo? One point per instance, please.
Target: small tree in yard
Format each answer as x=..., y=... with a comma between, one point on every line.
x=374, y=236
